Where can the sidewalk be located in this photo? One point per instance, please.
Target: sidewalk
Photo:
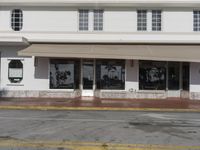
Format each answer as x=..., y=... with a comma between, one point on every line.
x=100, y=104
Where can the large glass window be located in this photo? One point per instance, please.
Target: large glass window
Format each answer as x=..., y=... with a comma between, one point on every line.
x=15, y=71
x=64, y=74
x=141, y=20
x=110, y=74
x=185, y=75
x=152, y=75
x=173, y=75
x=17, y=19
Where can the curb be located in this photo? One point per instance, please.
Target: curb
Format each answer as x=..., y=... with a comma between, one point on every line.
x=96, y=108
x=90, y=145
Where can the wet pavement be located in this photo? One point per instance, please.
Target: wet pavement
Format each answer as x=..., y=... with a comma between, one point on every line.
x=54, y=130
x=111, y=103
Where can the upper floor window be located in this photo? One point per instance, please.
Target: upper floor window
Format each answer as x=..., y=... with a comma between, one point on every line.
x=17, y=19
x=141, y=20
x=196, y=20
x=98, y=20
x=83, y=20
x=156, y=20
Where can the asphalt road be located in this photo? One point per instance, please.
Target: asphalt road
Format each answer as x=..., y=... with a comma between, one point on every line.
x=19, y=129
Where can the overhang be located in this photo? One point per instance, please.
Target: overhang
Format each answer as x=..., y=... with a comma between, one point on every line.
x=187, y=53
x=12, y=41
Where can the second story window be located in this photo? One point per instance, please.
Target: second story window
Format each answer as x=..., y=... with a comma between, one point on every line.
x=83, y=20
x=156, y=20
x=141, y=20
x=17, y=19
x=98, y=20
x=196, y=20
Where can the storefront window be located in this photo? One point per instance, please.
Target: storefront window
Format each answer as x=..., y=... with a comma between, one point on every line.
x=185, y=75
x=64, y=74
x=152, y=75
x=15, y=71
x=173, y=75
x=110, y=74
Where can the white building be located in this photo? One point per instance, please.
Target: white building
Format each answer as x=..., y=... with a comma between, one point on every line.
x=101, y=48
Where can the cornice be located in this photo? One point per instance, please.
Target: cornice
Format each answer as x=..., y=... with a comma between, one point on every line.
x=103, y=3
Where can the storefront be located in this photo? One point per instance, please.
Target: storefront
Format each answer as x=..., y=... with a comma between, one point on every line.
x=115, y=71
x=87, y=74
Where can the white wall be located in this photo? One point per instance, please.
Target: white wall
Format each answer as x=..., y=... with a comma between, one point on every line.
x=31, y=80
x=132, y=71
x=115, y=19
x=120, y=20
x=194, y=77
x=50, y=20
x=4, y=20
x=177, y=20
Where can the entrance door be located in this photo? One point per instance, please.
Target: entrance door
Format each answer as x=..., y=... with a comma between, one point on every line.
x=88, y=78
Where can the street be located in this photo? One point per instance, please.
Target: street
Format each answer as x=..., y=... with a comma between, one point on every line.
x=65, y=130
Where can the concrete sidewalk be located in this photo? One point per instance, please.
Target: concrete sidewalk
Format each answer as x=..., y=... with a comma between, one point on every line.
x=100, y=104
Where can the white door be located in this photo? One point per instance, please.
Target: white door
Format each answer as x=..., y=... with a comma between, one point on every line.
x=88, y=78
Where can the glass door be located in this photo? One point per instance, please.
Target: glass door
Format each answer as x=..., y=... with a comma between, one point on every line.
x=88, y=78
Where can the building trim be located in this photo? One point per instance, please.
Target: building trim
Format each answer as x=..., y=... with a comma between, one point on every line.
x=100, y=3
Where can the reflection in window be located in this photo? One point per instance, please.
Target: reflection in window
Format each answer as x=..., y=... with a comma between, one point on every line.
x=110, y=74
x=186, y=75
x=64, y=74
x=15, y=71
x=152, y=75
x=173, y=75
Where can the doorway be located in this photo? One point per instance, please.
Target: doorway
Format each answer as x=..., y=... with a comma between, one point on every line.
x=88, y=78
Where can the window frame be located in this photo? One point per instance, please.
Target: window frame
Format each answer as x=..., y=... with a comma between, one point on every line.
x=196, y=20
x=156, y=20
x=83, y=28
x=98, y=21
x=18, y=79
x=142, y=22
x=76, y=72
x=109, y=63
x=17, y=19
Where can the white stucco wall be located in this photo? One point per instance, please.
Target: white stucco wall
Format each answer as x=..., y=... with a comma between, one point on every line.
x=36, y=75
x=115, y=19
x=33, y=79
x=132, y=71
x=194, y=77
x=120, y=20
x=177, y=20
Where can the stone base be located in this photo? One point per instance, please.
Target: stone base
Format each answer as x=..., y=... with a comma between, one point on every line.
x=131, y=95
x=41, y=94
x=195, y=95
x=110, y=94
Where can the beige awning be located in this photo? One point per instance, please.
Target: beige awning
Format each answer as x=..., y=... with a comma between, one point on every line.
x=190, y=53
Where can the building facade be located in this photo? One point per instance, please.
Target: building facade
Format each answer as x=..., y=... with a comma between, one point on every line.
x=105, y=49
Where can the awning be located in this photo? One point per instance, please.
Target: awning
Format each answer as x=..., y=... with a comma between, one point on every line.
x=189, y=53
